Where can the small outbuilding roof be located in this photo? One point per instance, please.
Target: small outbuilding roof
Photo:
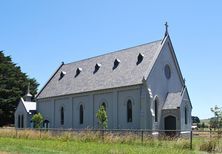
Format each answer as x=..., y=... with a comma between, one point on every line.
x=29, y=106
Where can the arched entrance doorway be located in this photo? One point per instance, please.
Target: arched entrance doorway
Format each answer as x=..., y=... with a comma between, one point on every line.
x=170, y=124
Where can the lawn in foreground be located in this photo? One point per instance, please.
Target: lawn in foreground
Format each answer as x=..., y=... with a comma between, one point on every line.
x=46, y=146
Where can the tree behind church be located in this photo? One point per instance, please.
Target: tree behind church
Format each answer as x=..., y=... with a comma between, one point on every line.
x=13, y=85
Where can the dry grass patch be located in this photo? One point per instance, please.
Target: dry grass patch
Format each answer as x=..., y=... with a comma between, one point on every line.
x=2, y=152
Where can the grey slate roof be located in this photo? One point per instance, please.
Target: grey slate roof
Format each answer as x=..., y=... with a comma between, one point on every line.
x=173, y=101
x=127, y=72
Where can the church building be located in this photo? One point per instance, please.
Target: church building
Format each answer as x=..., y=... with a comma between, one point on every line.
x=141, y=87
x=24, y=111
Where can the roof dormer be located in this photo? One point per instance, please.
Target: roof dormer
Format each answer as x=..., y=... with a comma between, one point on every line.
x=139, y=58
x=97, y=67
x=62, y=74
x=116, y=63
x=78, y=70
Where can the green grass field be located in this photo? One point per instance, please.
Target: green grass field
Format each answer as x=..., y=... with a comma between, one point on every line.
x=29, y=141
x=18, y=145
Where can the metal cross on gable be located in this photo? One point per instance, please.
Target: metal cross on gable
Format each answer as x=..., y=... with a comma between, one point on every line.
x=166, y=26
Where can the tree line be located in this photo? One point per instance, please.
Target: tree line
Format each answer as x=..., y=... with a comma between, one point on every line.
x=214, y=122
x=13, y=85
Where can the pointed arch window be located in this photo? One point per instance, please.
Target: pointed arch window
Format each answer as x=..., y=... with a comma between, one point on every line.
x=156, y=110
x=104, y=105
x=81, y=114
x=185, y=115
x=18, y=121
x=22, y=121
x=129, y=111
x=62, y=116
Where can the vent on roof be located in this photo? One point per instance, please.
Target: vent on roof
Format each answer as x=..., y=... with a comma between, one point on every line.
x=78, y=70
x=139, y=58
x=97, y=66
x=62, y=74
x=116, y=63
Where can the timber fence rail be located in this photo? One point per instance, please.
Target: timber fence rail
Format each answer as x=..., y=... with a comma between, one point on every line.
x=122, y=135
x=179, y=138
x=142, y=136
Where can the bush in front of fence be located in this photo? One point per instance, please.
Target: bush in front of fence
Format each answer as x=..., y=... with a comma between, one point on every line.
x=209, y=145
x=182, y=144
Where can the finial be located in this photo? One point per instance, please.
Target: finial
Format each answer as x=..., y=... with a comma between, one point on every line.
x=28, y=96
x=28, y=91
x=166, y=26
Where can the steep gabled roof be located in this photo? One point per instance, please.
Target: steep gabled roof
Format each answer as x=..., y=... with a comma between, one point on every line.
x=29, y=106
x=80, y=76
x=173, y=101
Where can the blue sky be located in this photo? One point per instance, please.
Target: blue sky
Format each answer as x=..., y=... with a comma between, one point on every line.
x=40, y=34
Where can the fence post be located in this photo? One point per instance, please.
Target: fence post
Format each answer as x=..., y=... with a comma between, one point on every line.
x=142, y=136
x=191, y=140
x=210, y=132
x=103, y=131
x=15, y=133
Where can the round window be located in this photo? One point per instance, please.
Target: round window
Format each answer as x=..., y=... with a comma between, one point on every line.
x=167, y=71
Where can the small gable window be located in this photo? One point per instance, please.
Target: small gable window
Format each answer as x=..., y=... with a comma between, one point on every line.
x=129, y=111
x=81, y=114
x=167, y=71
x=62, y=116
x=139, y=58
